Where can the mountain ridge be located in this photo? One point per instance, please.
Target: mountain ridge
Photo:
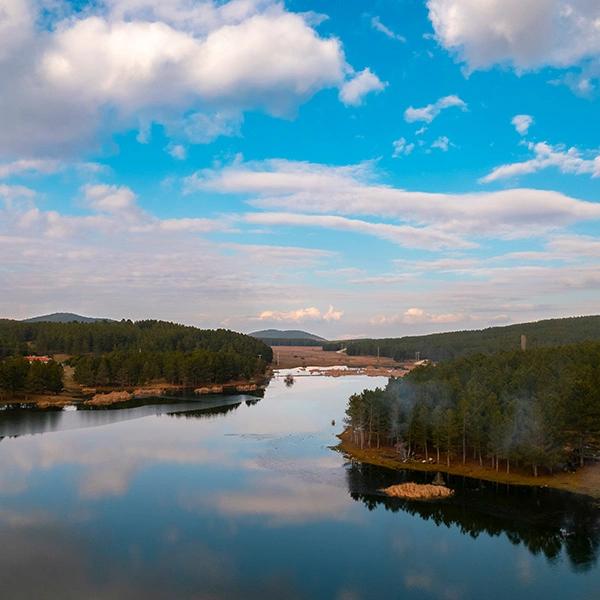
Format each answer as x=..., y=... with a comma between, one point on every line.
x=64, y=317
x=286, y=334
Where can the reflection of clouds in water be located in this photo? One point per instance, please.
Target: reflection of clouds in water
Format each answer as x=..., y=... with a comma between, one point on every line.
x=524, y=567
x=427, y=581
x=281, y=499
x=40, y=558
x=108, y=457
x=348, y=594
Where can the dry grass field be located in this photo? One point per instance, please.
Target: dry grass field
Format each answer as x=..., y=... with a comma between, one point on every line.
x=289, y=357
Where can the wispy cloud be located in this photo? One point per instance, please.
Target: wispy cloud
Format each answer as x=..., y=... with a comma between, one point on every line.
x=377, y=25
x=429, y=112
x=547, y=156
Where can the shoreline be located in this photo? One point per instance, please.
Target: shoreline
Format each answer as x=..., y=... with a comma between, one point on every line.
x=109, y=396
x=584, y=481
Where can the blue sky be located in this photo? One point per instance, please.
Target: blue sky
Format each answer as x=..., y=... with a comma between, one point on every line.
x=352, y=168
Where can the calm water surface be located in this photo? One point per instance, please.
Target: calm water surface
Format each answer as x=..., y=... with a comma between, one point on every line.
x=234, y=498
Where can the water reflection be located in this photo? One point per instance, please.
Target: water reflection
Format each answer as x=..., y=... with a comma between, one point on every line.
x=15, y=422
x=245, y=499
x=542, y=520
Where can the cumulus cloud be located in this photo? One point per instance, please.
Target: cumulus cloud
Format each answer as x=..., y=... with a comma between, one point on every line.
x=353, y=92
x=402, y=147
x=547, y=156
x=310, y=313
x=431, y=111
x=377, y=25
x=110, y=198
x=125, y=63
x=417, y=315
x=526, y=35
x=177, y=151
x=522, y=123
x=442, y=143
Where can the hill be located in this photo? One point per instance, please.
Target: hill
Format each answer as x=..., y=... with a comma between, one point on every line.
x=445, y=346
x=290, y=337
x=17, y=337
x=279, y=334
x=64, y=318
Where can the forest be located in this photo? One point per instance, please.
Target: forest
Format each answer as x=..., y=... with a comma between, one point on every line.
x=447, y=346
x=125, y=353
x=18, y=337
x=189, y=369
x=17, y=375
x=538, y=409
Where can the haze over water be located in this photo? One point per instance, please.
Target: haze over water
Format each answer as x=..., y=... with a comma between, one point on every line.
x=247, y=500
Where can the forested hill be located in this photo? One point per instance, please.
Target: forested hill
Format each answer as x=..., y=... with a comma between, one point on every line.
x=64, y=318
x=444, y=346
x=17, y=337
x=277, y=337
x=536, y=409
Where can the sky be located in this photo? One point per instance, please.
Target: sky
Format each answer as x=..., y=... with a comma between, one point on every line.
x=352, y=168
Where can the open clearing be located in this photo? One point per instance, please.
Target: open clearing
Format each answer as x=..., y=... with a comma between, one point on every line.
x=289, y=357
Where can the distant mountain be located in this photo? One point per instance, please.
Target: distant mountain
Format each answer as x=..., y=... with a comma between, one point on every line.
x=63, y=318
x=290, y=334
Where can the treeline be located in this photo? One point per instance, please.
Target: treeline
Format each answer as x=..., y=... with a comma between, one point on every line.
x=447, y=346
x=190, y=369
x=17, y=376
x=17, y=337
x=538, y=409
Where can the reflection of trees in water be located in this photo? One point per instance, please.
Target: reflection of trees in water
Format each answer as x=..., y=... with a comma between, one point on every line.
x=207, y=413
x=544, y=521
x=26, y=421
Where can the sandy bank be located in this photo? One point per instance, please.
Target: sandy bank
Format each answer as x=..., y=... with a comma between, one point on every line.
x=584, y=481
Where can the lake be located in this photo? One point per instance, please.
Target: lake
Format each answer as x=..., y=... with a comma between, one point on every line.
x=236, y=497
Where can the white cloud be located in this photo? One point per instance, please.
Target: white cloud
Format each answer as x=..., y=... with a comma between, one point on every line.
x=527, y=35
x=417, y=315
x=44, y=166
x=442, y=143
x=177, y=151
x=403, y=235
x=402, y=147
x=110, y=198
x=379, y=26
x=310, y=313
x=332, y=314
x=353, y=92
x=522, y=123
x=126, y=63
x=431, y=111
x=547, y=156
x=354, y=190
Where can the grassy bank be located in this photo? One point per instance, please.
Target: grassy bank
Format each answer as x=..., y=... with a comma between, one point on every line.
x=584, y=481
